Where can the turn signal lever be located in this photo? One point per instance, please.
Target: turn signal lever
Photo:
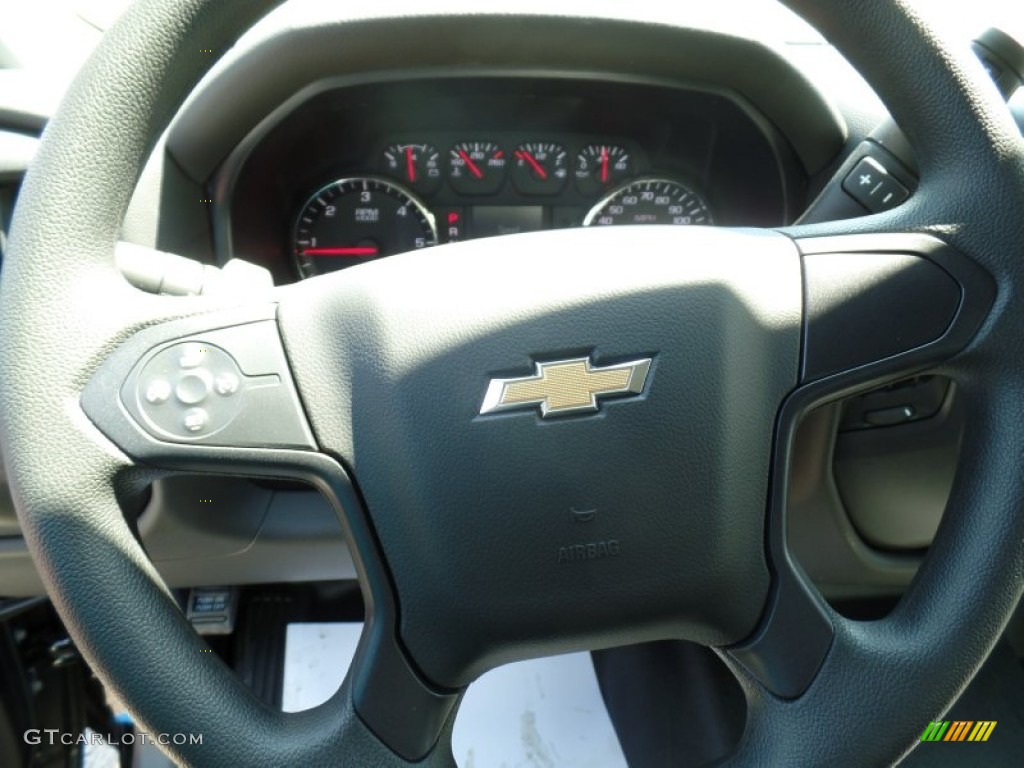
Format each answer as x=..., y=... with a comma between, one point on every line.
x=882, y=172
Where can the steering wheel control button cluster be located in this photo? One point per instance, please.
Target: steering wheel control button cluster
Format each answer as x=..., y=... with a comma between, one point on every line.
x=228, y=387
x=871, y=185
x=191, y=369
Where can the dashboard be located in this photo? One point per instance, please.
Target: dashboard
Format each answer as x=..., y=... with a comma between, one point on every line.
x=357, y=172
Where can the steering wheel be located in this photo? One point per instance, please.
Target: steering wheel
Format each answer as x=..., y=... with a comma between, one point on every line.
x=457, y=410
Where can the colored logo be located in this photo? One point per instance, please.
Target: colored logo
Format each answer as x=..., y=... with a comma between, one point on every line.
x=566, y=386
x=959, y=730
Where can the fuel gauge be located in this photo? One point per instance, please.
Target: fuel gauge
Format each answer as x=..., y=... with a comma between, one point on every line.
x=540, y=168
x=417, y=165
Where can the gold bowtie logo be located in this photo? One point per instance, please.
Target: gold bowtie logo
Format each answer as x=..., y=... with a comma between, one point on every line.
x=566, y=386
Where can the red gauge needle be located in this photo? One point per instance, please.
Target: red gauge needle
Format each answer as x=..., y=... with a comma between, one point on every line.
x=471, y=165
x=355, y=250
x=410, y=166
x=537, y=167
x=604, y=165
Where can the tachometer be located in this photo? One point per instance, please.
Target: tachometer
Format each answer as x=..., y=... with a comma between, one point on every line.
x=650, y=201
x=350, y=221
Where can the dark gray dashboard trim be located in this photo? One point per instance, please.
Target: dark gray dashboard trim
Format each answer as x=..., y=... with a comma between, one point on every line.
x=224, y=109
x=223, y=183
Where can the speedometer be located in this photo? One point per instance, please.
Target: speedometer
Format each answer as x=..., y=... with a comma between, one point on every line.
x=354, y=220
x=650, y=201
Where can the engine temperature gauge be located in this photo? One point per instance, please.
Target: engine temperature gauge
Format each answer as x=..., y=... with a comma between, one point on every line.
x=476, y=167
x=417, y=165
x=599, y=167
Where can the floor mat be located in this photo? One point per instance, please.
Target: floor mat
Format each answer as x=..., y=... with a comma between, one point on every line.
x=541, y=713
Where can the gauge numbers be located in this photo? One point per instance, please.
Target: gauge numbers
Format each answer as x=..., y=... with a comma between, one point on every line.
x=540, y=168
x=417, y=165
x=650, y=201
x=350, y=221
x=476, y=167
x=600, y=167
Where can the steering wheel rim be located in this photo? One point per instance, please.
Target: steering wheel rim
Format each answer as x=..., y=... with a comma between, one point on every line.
x=892, y=676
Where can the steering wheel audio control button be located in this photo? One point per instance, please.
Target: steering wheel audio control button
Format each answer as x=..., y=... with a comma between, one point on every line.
x=158, y=392
x=194, y=387
x=196, y=420
x=191, y=356
x=226, y=384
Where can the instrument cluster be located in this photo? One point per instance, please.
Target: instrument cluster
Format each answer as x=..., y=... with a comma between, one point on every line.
x=416, y=195
x=348, y=172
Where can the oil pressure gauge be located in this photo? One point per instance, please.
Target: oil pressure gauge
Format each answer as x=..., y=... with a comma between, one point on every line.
x=601, y=167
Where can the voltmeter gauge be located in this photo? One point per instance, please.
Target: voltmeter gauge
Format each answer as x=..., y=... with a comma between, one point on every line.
x=417, y=165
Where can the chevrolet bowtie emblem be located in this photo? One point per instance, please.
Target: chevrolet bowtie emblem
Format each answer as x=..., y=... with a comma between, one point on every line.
x=566, y=386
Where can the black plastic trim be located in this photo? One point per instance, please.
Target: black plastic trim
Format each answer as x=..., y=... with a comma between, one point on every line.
x=889, y=304
x=976, y=286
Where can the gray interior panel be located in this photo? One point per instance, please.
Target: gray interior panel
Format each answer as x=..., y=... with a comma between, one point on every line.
x=823, y=539
x=245, y=533
x=895, y=481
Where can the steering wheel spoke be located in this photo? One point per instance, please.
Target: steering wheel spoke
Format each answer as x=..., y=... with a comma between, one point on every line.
x=877, y=308
x=213, y=392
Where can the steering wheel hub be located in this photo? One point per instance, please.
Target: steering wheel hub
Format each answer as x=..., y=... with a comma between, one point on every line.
x=399, y=356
